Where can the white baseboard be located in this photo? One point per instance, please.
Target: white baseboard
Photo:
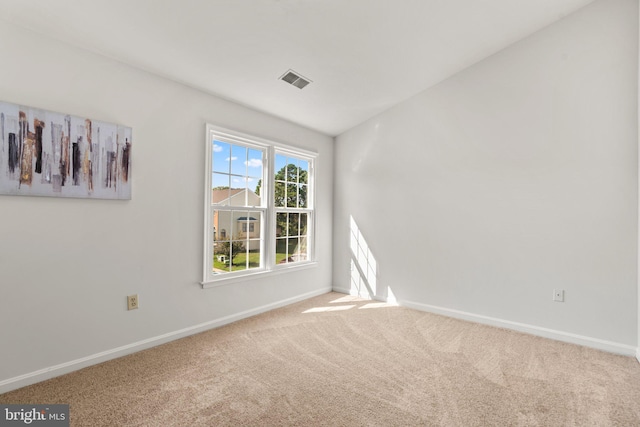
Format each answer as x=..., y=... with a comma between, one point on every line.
x=64, y=368
x=609, y=346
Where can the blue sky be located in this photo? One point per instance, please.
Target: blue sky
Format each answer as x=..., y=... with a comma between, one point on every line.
x=236, y=166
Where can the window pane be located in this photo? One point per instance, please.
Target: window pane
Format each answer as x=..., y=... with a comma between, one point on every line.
x=294, y=224
x=292, y=249
x=242, y=224
x=249, y=236
x=220, y=189
x=302, y=195
x=281, y=250
x=221, y=225
x=279, y=196
x=292, y=170
x=248, y=225
x=221, y=246
x=238, y=160
x=301, y=253
x=287, y=250
x=303, y=224
x=238, y=255
x=254, y=185
x=254, y=173
x=221, y=154
x=292, y=195
x=254, y=163
x=279, y=168
x=303, y=168
x=219, y=180
x=221, y=257
x=253, y=260
x=237, y=195
x=242, y=167
x=281, y=224
x=237, y=240
x=241, y=195
x=253, y=199
x=254, y=226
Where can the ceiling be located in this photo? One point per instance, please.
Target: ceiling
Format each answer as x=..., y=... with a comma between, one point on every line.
x=362, y=56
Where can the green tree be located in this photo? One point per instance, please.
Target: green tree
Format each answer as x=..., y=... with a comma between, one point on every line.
x=289, y=194
x=292, y=197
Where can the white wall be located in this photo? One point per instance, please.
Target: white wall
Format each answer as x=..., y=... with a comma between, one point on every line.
x=66, y=265
x=515, y=177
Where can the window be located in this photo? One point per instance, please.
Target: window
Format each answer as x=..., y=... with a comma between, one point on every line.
x=291, y=193
x=251, y=227
x=259, y=212
x=236, y=174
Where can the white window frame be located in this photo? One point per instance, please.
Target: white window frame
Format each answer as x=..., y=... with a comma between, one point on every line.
x=309, y=210
x=268, y=224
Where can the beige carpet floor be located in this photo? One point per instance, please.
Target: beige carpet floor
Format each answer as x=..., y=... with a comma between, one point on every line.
x=338, y=361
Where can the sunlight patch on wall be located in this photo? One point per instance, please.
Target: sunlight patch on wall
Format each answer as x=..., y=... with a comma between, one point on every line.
x=391, y=298
x=363, y=265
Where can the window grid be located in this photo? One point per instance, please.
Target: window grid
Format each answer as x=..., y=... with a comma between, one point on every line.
x=260, y=206
x=237, y=170
x=293, y=215
x=240, y=247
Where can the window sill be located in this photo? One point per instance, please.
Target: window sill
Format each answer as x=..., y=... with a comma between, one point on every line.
x=280, y=269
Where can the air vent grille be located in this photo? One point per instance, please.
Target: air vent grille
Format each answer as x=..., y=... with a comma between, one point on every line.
x=295, y=79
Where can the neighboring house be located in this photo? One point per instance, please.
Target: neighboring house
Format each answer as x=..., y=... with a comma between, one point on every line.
x=236, y=225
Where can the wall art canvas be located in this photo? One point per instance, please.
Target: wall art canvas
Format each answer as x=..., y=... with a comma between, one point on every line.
x=43, y=153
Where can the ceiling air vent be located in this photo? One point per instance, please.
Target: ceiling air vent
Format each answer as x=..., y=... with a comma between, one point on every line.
x=295, y=79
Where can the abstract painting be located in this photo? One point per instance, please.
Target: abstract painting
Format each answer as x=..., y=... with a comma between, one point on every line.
x=43, y=153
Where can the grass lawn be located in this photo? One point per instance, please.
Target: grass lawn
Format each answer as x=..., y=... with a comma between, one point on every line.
x=240, y=261
x=281, y=250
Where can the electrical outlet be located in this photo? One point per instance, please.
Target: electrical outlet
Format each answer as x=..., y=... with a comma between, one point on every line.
x=132, y=302
x=558, y=295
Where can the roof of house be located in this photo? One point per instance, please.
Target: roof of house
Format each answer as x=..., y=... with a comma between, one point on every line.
x=218, y=196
